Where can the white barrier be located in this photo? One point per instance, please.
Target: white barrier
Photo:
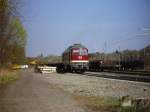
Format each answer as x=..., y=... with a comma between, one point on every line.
x=46, y=69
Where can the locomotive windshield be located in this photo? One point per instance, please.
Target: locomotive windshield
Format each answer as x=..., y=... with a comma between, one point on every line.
x=80, y=52
x=83, y=52
x=76, y=52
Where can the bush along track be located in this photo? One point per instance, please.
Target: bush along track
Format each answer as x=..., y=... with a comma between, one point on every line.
x=7, y=76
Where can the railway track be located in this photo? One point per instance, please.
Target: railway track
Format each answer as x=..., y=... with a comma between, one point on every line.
x=141, y=73
x=129, y=77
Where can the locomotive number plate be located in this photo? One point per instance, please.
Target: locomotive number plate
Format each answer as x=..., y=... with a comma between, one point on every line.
x=79, y=57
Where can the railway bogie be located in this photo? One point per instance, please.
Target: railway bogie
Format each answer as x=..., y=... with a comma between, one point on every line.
x=96, y=65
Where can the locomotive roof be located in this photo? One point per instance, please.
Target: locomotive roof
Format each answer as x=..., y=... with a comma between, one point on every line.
x=77, y=46
x=74, y=46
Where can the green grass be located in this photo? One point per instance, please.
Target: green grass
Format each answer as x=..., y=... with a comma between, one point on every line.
x=109, y=104
x=8, y=76
x=104, y=101
x=97, y=103
x=135, y=109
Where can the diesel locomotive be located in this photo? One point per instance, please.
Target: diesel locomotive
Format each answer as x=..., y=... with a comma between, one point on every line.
x=74, y=59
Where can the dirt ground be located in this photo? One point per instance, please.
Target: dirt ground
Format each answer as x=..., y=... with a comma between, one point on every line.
x=98, y=86
x=33, y=94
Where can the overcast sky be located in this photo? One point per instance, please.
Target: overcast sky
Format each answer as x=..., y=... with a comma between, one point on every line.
x=100, y=25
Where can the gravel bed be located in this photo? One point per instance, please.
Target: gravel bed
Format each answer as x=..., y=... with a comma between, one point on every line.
x=97, y=86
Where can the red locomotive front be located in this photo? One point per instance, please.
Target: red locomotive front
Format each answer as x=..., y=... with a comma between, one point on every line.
x=79, y=55
x=75, y=58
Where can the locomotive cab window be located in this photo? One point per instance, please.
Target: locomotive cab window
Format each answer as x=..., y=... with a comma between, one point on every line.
x=75, y=52
x=83, y=52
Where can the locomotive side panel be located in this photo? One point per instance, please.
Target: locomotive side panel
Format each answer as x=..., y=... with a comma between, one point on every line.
x=66, y=58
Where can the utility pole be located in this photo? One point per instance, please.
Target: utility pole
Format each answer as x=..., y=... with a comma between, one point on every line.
x=144, y=57
x=119, y=58
x=105, y=50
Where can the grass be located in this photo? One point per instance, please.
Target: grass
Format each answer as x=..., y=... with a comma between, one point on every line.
x=100, y=104
x=7, y=76
x=135, y=109
x=110, y=104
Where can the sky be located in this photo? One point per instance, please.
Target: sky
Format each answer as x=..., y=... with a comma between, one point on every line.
x=100, y=25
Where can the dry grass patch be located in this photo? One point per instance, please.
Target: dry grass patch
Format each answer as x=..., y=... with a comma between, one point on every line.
x=7, y=76
x=100, y=104
x=111, y=104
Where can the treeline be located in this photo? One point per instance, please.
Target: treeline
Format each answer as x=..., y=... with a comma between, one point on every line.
x=12, y=33
x=45, y=59
x=125, y=55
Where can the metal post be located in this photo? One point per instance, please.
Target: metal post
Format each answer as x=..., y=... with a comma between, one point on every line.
x=119, y=58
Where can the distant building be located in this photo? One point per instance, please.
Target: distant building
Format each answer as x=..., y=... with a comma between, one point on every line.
x=147, y=58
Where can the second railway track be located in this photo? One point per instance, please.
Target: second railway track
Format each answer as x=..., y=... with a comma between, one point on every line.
x=129, y=77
